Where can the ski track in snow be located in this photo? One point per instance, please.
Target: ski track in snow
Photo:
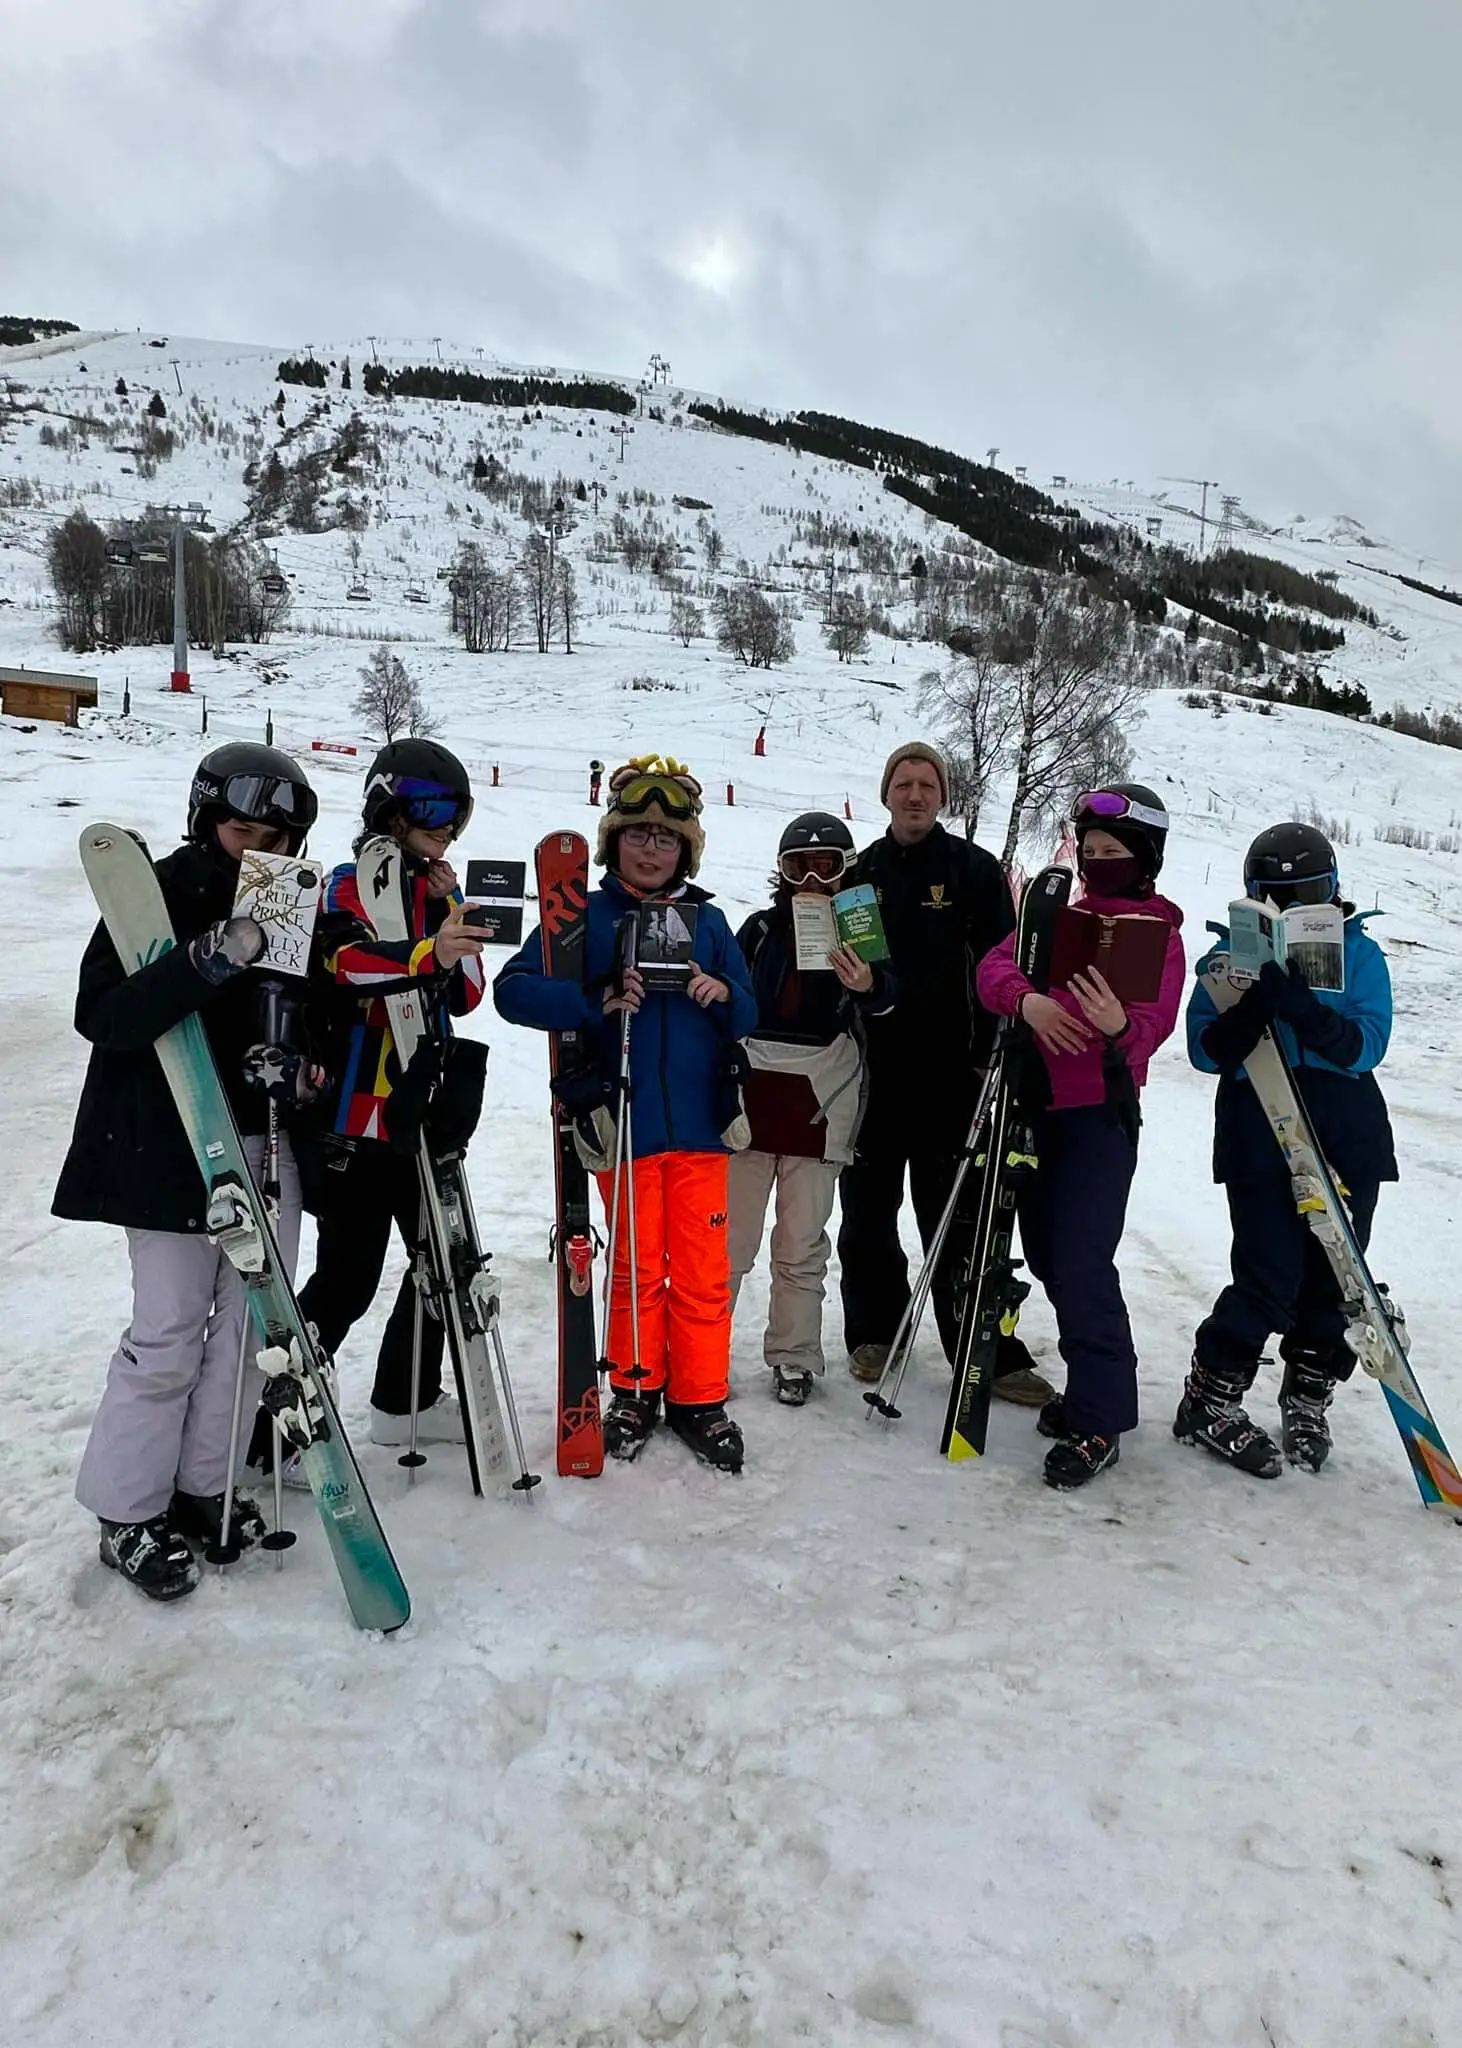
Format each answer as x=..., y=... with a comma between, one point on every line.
x=858, y=1749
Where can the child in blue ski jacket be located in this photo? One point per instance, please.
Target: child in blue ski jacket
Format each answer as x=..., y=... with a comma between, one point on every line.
x=1282, y=1281
x=681, y=1043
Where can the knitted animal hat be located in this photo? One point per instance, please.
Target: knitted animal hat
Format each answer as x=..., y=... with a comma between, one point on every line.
x=654, y=789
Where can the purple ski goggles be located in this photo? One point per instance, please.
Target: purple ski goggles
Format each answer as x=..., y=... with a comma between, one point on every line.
x=1111, y=804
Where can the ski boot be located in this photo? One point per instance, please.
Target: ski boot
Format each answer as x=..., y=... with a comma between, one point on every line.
x=200, y=1516
x=1211, y=1413
x=628, y=1422
x=793, y=1385
x=152, y=1555
x=1074, y=1460
x=709, y=1431
x=1304, y=1396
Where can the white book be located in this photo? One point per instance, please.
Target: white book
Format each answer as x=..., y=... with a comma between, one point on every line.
x=1311, y=935
x=282, y=894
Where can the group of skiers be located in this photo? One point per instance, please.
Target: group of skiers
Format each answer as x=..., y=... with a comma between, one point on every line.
x=757, y=1084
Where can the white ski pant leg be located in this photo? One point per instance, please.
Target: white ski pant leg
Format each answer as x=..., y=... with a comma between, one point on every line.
x=165, y=1412
x=750, y=1176
x=806, y=1189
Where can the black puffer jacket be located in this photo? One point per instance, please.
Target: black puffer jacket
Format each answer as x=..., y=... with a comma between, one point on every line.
x=130, y=1162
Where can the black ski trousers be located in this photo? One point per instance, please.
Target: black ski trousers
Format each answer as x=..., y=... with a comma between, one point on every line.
x=359, y=1203
x=1282, y=1283
x=1071, y=1217
x=924, y=1141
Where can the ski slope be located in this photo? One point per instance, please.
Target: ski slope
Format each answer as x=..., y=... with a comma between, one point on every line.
x=859, y=1749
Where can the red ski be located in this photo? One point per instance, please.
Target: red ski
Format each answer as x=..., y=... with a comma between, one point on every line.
x=562, y=863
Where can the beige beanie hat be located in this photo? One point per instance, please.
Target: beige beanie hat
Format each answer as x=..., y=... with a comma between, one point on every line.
x=916, y=750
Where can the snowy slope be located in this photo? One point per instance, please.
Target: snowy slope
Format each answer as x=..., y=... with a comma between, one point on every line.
x=858, y=1749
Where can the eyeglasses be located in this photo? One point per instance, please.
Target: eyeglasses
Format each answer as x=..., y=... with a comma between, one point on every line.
x=632, y=791
x=659, y=836
x=1111, y=803
x=812, y=863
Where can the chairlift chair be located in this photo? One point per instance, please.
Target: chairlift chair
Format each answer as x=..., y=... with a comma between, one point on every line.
x=358, y=594
x=273, y=585
x=415, y=596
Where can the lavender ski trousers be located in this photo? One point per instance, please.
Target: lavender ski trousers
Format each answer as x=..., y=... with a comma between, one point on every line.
x=163, y=1422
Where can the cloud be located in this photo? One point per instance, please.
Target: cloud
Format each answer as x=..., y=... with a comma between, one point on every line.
x=1125, y=240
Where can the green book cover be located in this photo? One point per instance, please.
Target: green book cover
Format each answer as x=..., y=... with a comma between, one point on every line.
x=860, y=922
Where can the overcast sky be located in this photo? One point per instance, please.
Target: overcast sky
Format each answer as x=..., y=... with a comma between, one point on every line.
x=1113, y=239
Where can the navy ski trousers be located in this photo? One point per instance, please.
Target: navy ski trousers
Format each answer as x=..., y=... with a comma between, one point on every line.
x=1071, y=1212
x=1282, y=1283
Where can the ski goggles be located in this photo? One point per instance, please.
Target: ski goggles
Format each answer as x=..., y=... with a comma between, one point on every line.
x=632, y=791
x=268, y=800
x=812, y=864
x=1110, y=803
x=1306, y=889
x=431, y=805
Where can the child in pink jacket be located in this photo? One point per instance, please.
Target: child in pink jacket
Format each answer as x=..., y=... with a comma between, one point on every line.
x=1094, y=1053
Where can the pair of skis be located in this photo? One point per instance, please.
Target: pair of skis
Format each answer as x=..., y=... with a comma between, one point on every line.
x=1001, y=1149
x=461, y=1288
x=1375, y=1328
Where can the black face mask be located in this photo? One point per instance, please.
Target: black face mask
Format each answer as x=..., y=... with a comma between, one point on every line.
x=1122, y=875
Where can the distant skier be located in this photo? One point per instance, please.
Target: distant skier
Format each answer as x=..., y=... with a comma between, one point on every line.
x=1282, y=1281
x=155, y=1464
x=596, y=779
x=1095, y=1051
x=651, y=840
x=420, y=795
x=804, y=1097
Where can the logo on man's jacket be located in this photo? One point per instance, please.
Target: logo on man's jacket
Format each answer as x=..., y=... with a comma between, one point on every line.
x=936, y=898
x=718, y=1221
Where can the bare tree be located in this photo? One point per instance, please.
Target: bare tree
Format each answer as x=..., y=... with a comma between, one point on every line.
x=536, y=571
x=749, y=626
x=389, y=703
x=77, y=558
x=974, y=703
x=687, y=620
x=1074, y=684
x=846, y=631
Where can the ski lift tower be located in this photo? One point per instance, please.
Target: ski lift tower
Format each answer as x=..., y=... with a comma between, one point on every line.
x=185, y=518
x=1205, y=484
x=1228, y=510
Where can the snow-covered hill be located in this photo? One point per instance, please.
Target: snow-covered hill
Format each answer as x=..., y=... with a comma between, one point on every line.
x=859, y=1748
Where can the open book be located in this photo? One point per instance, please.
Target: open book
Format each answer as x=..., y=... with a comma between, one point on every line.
x=1311, y=935
x=1128, y=951
x=851, y=918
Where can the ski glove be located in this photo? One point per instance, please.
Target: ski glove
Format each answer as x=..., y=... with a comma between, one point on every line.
x=1233, y=1034
x=226, y=949
x=1320, y=1029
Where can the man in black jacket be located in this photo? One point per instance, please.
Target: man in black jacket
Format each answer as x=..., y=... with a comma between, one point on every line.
x=944, y=903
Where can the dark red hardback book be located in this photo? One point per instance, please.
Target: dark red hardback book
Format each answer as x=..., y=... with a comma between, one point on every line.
x=1128, y=951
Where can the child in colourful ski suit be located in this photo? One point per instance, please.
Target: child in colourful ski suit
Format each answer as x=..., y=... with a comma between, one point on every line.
x=418, y=793
x=155, y=1465
x=1094, y=1051
x=1282, y=1280
x=650, y=841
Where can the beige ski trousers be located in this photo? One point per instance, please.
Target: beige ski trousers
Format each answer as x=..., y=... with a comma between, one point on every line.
x=800, y=1248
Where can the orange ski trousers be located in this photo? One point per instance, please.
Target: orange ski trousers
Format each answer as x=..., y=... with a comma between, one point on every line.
x=684, y=1278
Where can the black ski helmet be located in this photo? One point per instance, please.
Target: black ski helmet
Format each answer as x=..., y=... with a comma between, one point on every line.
x=257, y=784
x=415, y=769
x=1133, y=814
x=815, y=828
x=1291, y=863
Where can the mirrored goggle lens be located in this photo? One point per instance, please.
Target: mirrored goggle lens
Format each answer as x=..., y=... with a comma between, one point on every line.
x=678, y=798
x=822, y=863
x=269, y=800
x=431, y=813
x=1110, y=803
